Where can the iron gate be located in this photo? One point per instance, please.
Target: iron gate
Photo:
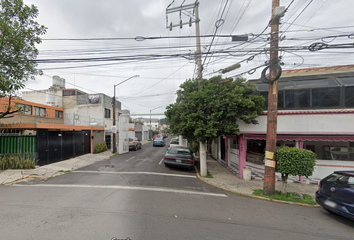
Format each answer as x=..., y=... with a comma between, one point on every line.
x=54, y=146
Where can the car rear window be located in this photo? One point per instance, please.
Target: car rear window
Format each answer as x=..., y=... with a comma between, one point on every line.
x=340, y=179
x=131, y=140
x=175, y=141
x=179, y=151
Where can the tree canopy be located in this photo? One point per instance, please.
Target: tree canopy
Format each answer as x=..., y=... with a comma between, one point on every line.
x=19, y=36
x=204, y=115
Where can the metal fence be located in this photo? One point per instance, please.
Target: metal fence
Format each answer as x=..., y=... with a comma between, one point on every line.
x=23, y=145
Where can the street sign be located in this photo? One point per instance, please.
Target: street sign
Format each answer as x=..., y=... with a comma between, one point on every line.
x=114, y=129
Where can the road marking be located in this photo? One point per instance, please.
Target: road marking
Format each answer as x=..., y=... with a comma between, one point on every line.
x=129, y=159
x=161, y=161
x=132, y=173
x=125, y=188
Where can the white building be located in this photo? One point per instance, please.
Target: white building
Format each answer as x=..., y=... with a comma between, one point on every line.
x=315, y=112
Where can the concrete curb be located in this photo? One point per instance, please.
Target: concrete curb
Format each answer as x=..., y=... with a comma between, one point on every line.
x=253, y=196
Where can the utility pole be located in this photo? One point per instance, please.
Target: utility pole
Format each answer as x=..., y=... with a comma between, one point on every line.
x=114, y=150
x=196, y=20
x=202, y=145
x=274, y=74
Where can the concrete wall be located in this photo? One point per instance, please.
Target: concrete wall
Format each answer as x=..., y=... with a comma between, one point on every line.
x=30, y=119
x=305, y=124
x=98, y=137
x=41, y=96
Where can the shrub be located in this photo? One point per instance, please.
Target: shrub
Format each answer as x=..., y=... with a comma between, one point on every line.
x=8, y=161
x=294, y=161
x=100, y=147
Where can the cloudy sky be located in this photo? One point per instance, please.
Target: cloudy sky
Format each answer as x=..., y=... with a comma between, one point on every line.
x=101, y=34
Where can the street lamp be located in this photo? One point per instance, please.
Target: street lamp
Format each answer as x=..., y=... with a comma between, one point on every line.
x=114, y=113
x=150, y=117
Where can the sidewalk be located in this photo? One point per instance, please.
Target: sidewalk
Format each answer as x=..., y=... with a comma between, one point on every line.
x=224, y=179
x=55, y=169
x=52, y=170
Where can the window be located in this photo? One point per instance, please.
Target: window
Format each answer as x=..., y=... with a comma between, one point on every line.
x=265, y=95
x=179, y=151
x=297, y=99
x=58, y=114
x=69, y=93
x=38, y=111
x=234, y=143
x=107, y=113
x=325, y=97
x=349, y=97
x=25, y=109
x=280, y=99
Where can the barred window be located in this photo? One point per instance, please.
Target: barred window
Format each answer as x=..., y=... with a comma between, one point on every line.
x=107, y=113
x=58, y=114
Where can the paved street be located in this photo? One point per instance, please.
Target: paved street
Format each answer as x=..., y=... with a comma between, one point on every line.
x=133, y=195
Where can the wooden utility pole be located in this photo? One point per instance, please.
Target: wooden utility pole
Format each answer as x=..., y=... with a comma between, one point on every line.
x=195, y=6
x=271, y=140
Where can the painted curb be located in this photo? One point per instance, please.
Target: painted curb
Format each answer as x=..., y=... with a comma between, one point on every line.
x=254, y=196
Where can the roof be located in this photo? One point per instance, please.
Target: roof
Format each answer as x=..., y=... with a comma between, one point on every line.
x=318, y=70
x=342, y=71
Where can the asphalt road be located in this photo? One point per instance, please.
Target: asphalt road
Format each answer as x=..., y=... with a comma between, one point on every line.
x=134, y=196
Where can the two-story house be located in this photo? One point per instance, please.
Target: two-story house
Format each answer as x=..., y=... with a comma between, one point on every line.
x=315, y=112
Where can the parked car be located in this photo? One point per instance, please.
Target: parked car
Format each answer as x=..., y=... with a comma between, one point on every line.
x=134, y=144
x=336, y=193
x=178, y=156
x=173, y=142
x=158, y=142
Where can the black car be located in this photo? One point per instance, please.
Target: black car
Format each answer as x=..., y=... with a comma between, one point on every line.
x=336, y=193
x=179, y=156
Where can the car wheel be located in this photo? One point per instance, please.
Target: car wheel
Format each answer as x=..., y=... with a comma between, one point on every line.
x=140, y=146
x=166, y=165
x=136, y=148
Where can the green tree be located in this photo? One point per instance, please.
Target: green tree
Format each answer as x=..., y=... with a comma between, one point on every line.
x=19, y=36
x=202, y=116
x=294, y=161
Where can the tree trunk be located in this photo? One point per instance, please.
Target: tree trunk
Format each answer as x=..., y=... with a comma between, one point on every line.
x=284, y=178
x=202, y=158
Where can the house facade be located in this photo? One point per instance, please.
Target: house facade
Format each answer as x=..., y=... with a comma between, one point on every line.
x=39, y=131
x=315, y=112
x=81, y=109
x=91, y=109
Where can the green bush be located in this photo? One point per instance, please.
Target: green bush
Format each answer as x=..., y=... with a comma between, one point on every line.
x=16, y=162
x=294, y=161
x=100, y=147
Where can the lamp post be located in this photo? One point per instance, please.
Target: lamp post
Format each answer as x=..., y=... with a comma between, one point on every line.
x=150, y=117
x=114, y=113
